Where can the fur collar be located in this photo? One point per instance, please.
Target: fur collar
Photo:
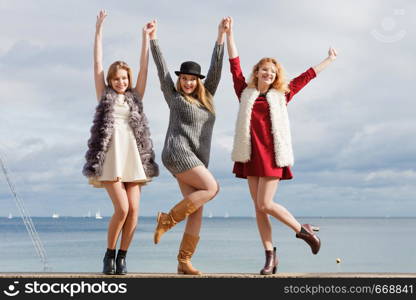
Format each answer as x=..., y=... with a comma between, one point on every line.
x=279, y=122
x=102, y=131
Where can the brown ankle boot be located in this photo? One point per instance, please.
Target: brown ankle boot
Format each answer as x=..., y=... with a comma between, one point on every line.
x=186, y=250
x=270, y=265
x=310, y=237
x=166, y=221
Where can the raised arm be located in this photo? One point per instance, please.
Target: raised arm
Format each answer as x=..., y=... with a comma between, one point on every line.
x=238, y=78
x=214, y=72
x=144, y=61
x=166, y=83
x=98, y=55
x=232, y=49
x=302, y=80
x=332, y=55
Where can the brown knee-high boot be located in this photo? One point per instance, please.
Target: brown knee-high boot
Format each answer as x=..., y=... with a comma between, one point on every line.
x=186, y=250
x=177, y=214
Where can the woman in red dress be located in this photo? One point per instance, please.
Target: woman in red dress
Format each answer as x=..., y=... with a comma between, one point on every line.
x=262, y=148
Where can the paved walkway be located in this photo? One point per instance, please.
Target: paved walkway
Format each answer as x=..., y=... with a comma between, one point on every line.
x=208, y=275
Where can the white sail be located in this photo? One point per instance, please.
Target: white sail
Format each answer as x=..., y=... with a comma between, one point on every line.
x=98, y=215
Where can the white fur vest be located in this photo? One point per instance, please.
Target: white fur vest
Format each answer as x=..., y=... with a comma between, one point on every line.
x=280, y=127
x=102, y=131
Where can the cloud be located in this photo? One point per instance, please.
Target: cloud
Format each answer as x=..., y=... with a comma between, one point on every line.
x=380, y=146
x=352, y=126
x=387, y=176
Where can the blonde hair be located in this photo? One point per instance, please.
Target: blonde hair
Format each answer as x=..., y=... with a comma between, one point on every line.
x=280, y=83
x=200, y=96
x=119, y=65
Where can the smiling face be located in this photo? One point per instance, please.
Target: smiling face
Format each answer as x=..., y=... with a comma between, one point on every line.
x=120, y=81
x=188, y=83
x=266, y=73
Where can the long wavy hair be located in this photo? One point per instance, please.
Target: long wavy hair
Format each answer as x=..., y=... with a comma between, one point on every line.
x=200, y=96
x=114, y=67
x=280, y=83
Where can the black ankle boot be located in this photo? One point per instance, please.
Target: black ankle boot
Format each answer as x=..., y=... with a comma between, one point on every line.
x=307, y=234
x=121, y=267
x=109, y=267
x=270, y=265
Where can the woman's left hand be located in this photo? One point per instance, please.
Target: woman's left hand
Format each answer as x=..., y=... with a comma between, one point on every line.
x=223, y=27
x=149, y=28
x=332, y=53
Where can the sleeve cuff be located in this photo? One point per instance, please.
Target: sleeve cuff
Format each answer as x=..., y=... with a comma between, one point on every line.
x=312, y=72
x=235, y=60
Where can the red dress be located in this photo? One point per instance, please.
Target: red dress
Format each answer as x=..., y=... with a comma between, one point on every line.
x=262, y=162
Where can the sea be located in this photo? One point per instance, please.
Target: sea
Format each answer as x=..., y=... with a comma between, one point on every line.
x=227, y=245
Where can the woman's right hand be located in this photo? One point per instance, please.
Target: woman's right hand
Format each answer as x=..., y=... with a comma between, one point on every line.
x=151, y=29
x=100, y=19
x=222, y=27
x=228, y=24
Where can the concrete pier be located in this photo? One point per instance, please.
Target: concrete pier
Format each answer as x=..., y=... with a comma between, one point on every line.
x=208, y=275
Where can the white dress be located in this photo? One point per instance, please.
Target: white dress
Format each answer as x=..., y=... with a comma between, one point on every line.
x=122, y=161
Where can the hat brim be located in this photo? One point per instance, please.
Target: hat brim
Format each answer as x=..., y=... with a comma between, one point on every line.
x=197, y=75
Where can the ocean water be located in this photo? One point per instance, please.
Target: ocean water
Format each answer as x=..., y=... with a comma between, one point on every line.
x=228, y=245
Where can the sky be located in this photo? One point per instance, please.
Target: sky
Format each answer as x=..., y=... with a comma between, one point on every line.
x=353, y=126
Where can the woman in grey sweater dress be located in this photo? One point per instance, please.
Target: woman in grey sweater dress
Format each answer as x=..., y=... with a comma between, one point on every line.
x=188, y=142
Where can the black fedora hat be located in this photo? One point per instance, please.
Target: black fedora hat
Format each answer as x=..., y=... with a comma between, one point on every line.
x=191, y=68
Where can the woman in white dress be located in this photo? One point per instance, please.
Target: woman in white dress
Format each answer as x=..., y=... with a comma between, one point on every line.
x=120, y=157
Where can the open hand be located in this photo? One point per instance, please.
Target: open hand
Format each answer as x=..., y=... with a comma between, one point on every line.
x=100, y=18
x=332, y=53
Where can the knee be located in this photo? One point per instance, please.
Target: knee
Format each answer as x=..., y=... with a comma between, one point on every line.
x=122, y=213
x=213, y=190
x=263, y=208
x=133, y=210
x=133, y=215
x=260, y=210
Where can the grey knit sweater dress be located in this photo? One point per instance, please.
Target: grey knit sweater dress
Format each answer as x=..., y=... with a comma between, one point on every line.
x=188, y=138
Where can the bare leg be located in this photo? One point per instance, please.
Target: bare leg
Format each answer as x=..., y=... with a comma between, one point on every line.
x=129, y=227
x=194, y=221
x=267, y=187
x=204, y=185
x=263, y=221
x=199, y=186
x=118, y=195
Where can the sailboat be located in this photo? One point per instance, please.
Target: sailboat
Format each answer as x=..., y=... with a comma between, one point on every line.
x=98, y=215
x=226, y=215
x=210, y=215
x=55, y=216
x=10, y=216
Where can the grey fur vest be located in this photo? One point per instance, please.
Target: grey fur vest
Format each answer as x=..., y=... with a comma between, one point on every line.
x=102, y=131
